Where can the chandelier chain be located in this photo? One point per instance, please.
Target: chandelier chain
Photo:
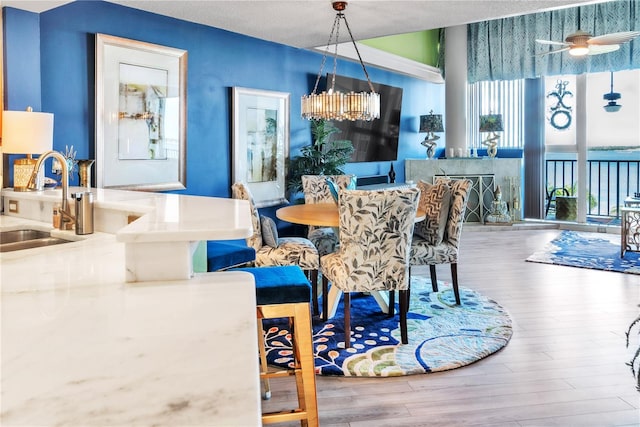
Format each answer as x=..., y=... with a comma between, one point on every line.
x=339, y=16
x=358, y=52
x=324, y=56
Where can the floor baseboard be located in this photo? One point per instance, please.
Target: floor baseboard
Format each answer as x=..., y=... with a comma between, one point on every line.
x=542, y=225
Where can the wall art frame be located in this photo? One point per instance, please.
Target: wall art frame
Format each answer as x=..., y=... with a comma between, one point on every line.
x=141, y=111
x=260, y=143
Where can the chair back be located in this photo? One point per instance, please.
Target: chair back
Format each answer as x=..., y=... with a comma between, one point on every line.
x=241, y=191
x=460, y=189
x=316, y=190
x=375, y=237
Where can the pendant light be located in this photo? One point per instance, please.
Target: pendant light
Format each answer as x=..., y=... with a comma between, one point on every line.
x=335, y=105
x=612, y=106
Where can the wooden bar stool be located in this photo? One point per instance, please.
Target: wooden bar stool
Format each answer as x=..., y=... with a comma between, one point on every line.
x=285, y=292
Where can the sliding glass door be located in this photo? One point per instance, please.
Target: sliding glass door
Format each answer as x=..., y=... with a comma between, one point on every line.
x=593, y=152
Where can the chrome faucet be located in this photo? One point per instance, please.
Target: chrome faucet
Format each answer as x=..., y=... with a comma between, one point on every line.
x=66, y=216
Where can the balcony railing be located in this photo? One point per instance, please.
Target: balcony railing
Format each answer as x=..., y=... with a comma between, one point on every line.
x=609, y=182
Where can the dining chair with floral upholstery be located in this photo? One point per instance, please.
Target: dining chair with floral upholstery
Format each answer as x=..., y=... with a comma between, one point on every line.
x=436, y=239
x=317, y=190
x=375, y=240
x=272, y=250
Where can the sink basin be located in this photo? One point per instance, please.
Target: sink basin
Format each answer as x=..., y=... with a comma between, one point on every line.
x=16, y=240
x=21, y=235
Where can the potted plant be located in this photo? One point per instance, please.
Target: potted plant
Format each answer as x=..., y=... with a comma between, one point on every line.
x=567, y=208
x=324, y=156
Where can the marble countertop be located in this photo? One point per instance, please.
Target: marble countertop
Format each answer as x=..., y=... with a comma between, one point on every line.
x=155, y=227
x=163, y=217
x=82, y=346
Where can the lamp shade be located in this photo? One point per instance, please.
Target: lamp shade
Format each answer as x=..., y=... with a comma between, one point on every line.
x=491, y=123
x=431, y=123
x=26, y=132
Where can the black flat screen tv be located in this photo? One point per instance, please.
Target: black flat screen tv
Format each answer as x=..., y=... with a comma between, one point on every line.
x=377, y=140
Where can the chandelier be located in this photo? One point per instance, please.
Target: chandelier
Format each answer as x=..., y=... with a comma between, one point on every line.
x=335, y=105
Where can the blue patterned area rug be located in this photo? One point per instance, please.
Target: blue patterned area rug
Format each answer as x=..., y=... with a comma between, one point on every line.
x=597, y=251
x=442, y=335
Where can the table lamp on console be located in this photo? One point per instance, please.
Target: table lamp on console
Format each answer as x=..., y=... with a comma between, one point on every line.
x=491, y=123
x=431, y=123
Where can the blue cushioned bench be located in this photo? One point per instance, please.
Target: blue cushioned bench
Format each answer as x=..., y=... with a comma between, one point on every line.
x=223, y=255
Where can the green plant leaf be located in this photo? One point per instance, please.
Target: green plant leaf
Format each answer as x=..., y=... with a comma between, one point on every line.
x=323, y=157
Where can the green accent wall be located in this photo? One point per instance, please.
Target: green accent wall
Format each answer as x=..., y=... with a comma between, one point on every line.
x=421, y=46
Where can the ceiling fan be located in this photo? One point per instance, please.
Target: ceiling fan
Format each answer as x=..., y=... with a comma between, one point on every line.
x=582, y=43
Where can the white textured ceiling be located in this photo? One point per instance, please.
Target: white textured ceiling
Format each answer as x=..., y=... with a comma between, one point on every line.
x=306, y=23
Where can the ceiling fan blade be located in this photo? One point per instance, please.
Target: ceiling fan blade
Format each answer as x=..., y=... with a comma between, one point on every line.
x=564, y=49
x=599, y=49
x=614, y=38
x=552, y=42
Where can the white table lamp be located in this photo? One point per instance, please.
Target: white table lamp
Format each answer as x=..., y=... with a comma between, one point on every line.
x=26, y=132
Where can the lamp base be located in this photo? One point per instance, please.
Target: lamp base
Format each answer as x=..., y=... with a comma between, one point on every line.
x=22, y=170
x=492, y=144
x=430, y=144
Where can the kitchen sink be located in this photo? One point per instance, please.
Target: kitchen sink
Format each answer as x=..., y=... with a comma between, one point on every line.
x=15, y=240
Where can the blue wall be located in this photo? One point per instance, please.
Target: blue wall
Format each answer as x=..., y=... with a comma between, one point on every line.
x=62, y=40
x=22, y=45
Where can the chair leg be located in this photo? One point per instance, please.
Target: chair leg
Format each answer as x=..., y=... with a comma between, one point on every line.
x=325, y=298
x=299, y=315
x=434, y=279
x=409, y=281
x=302, y=345
x=454, y=278
x=404, y=308
x=549, y=200
x=263, y=360
x=392, y=303
x=347, y=319
x=313, y=278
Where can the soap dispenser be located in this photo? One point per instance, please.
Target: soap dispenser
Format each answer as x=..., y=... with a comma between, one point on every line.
x=84, y=212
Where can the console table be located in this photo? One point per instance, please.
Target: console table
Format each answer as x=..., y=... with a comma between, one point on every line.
x=507, y=173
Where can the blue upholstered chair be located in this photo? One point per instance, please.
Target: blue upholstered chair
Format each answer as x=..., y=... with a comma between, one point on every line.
x=285, y=292
x=375, y=240
x=224, y=255
x=272, y=250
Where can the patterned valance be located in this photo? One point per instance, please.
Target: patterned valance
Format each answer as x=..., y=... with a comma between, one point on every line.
x=504, y=49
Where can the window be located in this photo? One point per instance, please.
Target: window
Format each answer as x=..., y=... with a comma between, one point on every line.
x=504, y=97
x=604, y=130
x=596, y=155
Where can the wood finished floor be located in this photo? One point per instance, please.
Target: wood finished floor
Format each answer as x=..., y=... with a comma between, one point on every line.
x=564, y=366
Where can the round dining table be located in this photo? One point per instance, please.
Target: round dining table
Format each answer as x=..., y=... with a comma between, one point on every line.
x=319, y=214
